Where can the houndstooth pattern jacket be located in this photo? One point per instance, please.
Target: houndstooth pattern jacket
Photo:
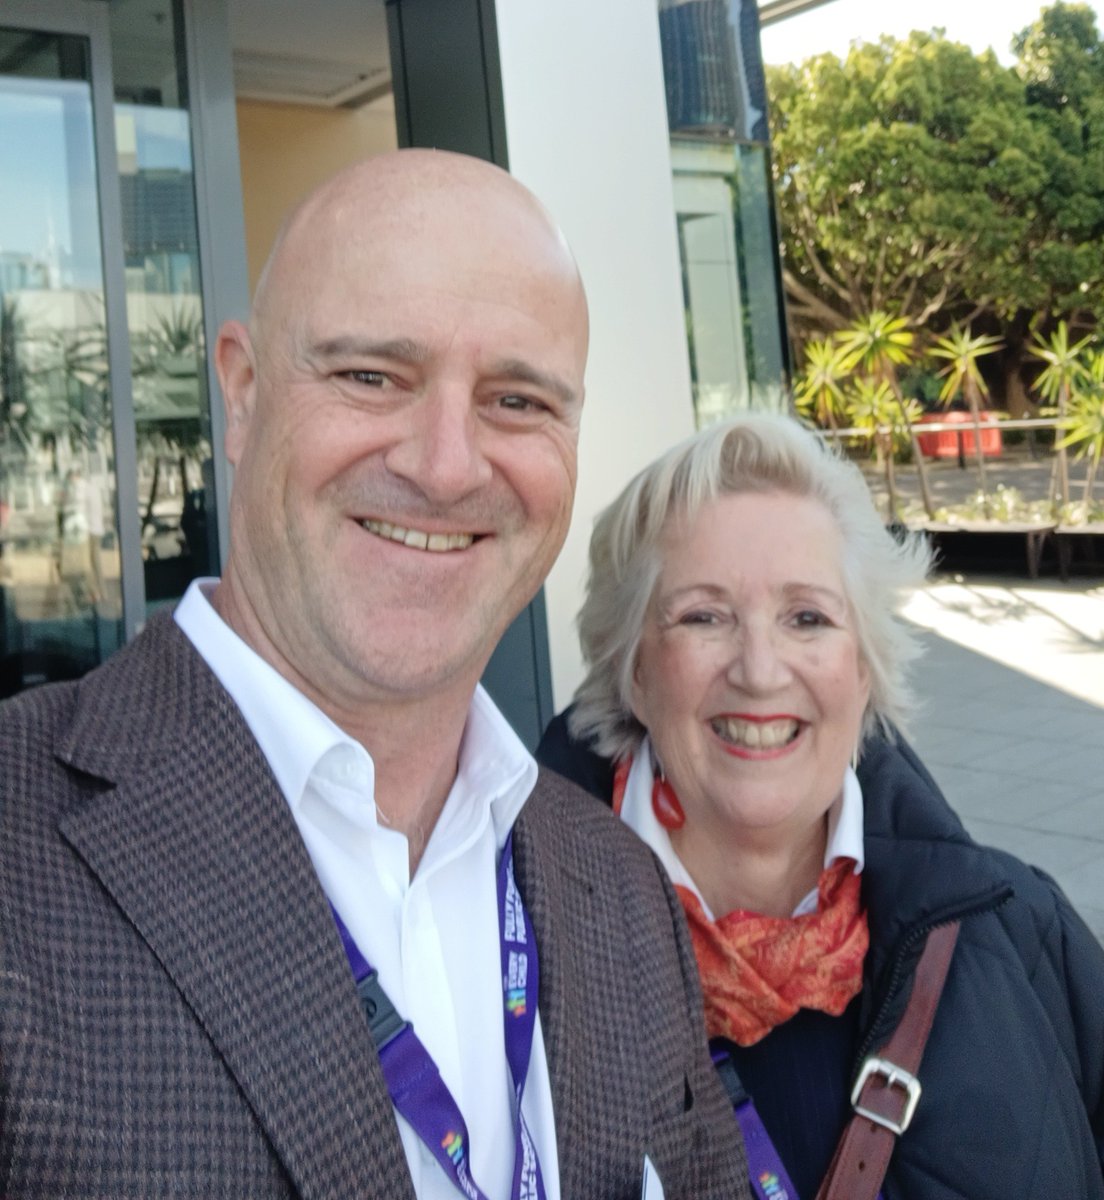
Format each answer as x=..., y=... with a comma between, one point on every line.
x=176, y=1013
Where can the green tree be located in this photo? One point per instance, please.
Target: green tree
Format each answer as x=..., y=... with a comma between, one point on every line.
x=962, y=349
x=902, y=172
x=918, y=175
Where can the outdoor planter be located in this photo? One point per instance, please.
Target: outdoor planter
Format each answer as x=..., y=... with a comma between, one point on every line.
x=959, y=443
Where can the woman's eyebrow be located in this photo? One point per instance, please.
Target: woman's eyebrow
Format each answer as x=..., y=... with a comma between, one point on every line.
x=800, y=588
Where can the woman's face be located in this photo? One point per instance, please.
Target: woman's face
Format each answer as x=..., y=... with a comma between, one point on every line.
x=749, y=678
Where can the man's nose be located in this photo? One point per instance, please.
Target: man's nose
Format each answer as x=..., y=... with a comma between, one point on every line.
x=758, y=663
x=440, y=451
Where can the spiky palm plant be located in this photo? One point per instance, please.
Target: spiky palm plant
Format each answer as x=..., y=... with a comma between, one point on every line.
x=818, y=391
x=872, y=408
x=878, y=344
x=1063, y=370
x=1084, y=423
x=962, y=349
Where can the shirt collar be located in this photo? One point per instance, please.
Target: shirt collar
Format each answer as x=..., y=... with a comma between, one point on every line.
x=494, y=766
x=845, y=827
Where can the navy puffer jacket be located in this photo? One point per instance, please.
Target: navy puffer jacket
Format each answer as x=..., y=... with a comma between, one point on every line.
x=1013, y=1073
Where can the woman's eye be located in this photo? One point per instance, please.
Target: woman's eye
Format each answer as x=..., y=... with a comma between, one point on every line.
x=810, y=618
x=699, y=618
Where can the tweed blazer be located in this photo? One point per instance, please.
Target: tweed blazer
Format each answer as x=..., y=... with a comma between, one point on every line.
x=176, y=1012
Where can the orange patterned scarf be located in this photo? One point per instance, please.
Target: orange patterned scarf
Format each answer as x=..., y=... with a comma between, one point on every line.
x=758, y=971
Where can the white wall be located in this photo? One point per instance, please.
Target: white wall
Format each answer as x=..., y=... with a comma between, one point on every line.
x=586, y=129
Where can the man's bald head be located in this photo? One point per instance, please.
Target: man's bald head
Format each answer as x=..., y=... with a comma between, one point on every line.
x=403, y=414
x=451, y=200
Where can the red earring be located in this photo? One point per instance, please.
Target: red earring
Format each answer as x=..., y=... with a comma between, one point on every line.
x=665, y=804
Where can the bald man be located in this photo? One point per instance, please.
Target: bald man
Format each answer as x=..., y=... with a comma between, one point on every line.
x=285, y=907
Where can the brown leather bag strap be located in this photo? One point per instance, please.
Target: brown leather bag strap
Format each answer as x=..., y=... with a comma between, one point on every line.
x=887, y=1090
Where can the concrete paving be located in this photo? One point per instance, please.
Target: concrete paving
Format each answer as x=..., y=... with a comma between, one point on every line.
x=1012, y=722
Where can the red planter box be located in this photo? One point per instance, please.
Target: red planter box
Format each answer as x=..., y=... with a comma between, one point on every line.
x=945, y=443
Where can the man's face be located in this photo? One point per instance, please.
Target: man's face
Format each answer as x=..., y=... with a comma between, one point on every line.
x=406, y=450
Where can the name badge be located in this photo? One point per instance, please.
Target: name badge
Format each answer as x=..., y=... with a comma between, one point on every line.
x=653, y=1187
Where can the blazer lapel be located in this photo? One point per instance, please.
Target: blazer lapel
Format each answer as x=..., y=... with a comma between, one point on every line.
x=198, y=848
x=547, y=890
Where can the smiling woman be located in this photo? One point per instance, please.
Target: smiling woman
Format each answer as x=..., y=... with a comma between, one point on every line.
x=750, y=682
x=744, y=658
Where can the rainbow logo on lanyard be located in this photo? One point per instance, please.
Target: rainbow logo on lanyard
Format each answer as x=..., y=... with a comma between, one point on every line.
x=768, y=1181
x=453, y=1145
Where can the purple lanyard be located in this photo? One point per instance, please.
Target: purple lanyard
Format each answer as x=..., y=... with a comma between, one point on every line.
x=768, y=1177
x=417, y=1090
x=766, y=1173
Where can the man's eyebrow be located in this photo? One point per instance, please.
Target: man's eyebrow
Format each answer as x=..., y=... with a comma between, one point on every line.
x=402, y=349
x=516, y=368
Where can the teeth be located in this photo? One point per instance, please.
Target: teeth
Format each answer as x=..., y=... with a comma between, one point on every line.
x=419, y=540
x=756, y=735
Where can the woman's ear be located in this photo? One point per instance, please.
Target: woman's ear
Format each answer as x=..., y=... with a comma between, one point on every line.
x=866, y=682
x=637, y=702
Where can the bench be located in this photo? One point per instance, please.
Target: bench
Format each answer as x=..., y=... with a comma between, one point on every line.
x=1034, y=534
x=1067, y=537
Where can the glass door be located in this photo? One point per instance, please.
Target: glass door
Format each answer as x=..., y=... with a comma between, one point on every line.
x=106, y=487
x=62, y=598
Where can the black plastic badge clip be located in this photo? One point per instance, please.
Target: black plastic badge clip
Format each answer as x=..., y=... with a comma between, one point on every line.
x=384, y=1021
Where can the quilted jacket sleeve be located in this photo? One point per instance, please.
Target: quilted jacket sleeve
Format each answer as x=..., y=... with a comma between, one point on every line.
x=1067, y=976
x=1082, y=959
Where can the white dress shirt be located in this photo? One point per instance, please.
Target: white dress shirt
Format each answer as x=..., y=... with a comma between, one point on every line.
x=435, y=938
x=845, y=828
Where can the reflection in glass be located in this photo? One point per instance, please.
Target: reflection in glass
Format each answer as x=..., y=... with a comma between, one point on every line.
x=60, y=596
x=716, y=112
x=164, y=307
x=723, y=205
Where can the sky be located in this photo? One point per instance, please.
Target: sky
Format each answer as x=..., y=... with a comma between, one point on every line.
x=833, y=26
x=47, y=186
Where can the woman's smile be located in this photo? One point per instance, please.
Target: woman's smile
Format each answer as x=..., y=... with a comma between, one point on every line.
x=757, y=737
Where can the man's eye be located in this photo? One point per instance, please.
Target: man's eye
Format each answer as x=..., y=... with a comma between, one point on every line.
x=521, y=404
x=367, y=378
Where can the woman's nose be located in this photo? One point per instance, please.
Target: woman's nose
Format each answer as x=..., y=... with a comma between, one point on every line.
x=759, y=663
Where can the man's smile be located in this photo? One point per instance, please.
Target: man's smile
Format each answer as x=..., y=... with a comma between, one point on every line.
x=419, y=539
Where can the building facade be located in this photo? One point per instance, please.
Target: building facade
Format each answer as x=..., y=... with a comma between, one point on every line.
x=151, y=149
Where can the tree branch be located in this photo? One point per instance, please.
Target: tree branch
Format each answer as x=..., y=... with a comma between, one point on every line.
x=821, y=271
x=811, y=304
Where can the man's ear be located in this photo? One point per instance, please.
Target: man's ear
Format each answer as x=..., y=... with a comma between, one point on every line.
x=237, y=372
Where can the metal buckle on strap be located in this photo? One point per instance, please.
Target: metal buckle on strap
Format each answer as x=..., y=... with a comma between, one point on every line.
x=894, y=1077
